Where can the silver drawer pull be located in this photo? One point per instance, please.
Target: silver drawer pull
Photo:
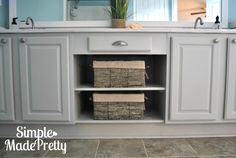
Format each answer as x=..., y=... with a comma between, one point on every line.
x=22, y=40
x=120, y=43
x=3, y=41
x=234, y=40
x=216, y=40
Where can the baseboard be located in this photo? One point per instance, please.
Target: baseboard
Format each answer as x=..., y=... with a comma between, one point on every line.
x=130, y=131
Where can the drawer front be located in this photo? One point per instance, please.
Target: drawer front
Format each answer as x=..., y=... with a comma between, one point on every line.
x=116, y=43
x=120, y=44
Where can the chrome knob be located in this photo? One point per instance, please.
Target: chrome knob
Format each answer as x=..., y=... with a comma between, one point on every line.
x=234, y=41
x=216, y=40
x=120, y=43
x=22, y=40
x=3, y=41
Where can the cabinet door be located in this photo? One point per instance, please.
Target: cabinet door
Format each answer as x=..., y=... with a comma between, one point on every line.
x=230, y=108
x=44, y=78
x=6, y=81
x=195, y=78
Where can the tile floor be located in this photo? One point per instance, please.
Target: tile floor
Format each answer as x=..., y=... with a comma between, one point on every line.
x=137, y=148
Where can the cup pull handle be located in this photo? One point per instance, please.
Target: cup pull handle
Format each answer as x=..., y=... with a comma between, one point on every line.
x=120, y=43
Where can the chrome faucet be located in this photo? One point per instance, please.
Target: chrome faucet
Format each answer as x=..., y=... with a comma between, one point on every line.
x=28, y=20
x=196, y=21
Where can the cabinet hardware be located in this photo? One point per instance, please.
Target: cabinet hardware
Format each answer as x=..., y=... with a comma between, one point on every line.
x=3, y=41
x=234, y=40
x=216, y=41
x=22, y=40
x=120, y=43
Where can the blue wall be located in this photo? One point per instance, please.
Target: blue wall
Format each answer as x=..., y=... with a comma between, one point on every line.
x=94, y=2
x=47, y=10
x=4, y=13
x=40, y=10
x=232, y=10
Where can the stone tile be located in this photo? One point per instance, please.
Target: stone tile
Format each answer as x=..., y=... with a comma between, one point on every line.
x=16, y=154
x=121, y=148
x=169, y=148
x=213, y=146
x=77, y=148
x=2, y=141
x=232, y=139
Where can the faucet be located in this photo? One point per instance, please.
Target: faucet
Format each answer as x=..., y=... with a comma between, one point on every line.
x=196, y=21
x=28, y=20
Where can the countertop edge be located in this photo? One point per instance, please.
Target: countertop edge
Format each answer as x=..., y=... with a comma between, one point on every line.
x=111, y=30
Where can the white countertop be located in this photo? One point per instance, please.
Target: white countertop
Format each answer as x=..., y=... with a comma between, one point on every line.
x=168, y=30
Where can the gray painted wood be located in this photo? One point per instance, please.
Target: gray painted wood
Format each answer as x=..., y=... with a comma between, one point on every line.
x=195, y=79
x=44, y=78
x=130, y=43
x=80, y=43
x=230, y=108
x=6, y=81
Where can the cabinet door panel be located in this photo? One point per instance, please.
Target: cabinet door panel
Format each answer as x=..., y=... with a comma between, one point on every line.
x=230, y=109
x=44, y=79
x=6, y=82
x=194, y=79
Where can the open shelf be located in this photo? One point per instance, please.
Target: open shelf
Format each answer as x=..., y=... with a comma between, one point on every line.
x=154, y=108
x=155, y=70
x=146, y=88
x=155, y=89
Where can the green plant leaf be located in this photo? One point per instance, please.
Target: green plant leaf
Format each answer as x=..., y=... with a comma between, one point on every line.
x=118, y=9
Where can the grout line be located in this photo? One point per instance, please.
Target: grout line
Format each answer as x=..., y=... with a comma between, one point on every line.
x=44, y=155
x=229, y=140
x=187, y=141
x=95, y=155
x=145, y=150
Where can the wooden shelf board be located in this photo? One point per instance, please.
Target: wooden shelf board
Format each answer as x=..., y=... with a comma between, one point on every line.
x=147, y=88
x=149, y=117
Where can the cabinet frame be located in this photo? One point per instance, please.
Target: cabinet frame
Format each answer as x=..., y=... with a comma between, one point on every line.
x=6, y=80
x=230, y=101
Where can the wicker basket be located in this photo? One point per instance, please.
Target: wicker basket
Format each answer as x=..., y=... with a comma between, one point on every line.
x=118, y=106
x=119, y=73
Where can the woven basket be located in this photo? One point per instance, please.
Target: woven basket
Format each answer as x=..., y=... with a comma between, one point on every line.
x=119, y=73
x=118, y=106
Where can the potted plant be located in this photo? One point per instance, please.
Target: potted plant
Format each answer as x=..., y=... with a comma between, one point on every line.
x=118, y=13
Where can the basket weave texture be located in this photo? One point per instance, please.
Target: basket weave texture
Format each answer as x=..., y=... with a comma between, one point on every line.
x=118, y=106
x=119, y=73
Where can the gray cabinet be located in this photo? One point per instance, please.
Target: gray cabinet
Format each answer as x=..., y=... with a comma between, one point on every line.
x=230, y=106
x=44, y=78
x=6, y=81
x=196, y=85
